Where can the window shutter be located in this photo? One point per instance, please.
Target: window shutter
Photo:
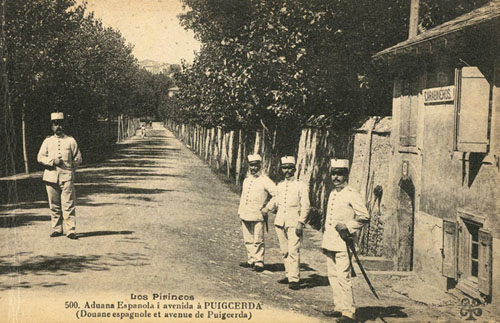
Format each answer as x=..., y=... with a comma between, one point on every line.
x=485, y=252
x=404, y=114
x=473, y=111
x=449, y=249
x=413, y=113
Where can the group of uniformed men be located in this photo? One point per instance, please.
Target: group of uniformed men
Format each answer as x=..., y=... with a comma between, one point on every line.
x=345, y=215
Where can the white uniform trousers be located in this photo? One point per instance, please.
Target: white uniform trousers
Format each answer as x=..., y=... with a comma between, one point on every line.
x=290, y=251
x=339, y=276
x=62, y=206
x=253, y=236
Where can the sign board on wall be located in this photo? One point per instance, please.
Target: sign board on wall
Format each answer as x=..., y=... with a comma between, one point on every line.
x=439, y=94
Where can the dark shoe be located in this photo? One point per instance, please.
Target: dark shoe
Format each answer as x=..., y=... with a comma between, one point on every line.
x=72, y=236
x=258, y=268
x=294, y=286
x=332, y=313
x=55, y=234
x=283, y=281
x=246, y=265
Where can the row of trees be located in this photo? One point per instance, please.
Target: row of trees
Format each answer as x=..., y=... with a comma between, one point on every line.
x=279, y=62
x=58, y=57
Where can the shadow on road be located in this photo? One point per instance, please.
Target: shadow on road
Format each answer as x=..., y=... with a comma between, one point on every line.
x=125, y=162
x=274, y=267
x=44, y=264
x=96, y=188
x=372, y=313
x=314, y=280
x=280, y=267
x=101, y=233
x=21, y=219
x=61, y=265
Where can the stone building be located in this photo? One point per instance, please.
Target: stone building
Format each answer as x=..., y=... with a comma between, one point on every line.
x=443, y=191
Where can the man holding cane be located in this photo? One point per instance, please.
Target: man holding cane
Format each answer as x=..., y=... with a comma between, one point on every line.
x=346, y=214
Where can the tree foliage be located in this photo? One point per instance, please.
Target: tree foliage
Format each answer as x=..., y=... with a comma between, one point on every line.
x=61, y=58
x=278, y=62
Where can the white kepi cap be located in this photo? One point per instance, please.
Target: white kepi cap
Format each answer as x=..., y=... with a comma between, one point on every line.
x=254, y=158
x=56, y=116
x=288, y=160
x=339, y=163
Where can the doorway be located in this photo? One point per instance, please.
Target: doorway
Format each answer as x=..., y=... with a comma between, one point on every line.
x=406, y=219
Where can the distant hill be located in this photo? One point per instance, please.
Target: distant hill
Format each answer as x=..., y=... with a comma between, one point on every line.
x=158, y=67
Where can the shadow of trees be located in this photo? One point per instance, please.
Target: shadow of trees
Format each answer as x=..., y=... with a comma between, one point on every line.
x=12, y=221
x=372, y=313
x=127, y=162
x=64, y=264
x=101, y=233
x=314, y=280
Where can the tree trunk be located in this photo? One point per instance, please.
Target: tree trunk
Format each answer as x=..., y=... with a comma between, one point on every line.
x=25, y=154
x=10, y=164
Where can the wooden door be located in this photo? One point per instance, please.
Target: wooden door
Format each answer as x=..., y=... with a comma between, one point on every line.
x=406, y=216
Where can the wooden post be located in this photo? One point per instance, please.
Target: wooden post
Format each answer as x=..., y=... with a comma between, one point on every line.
x=220, y=140
x=118, y=126
x=238, y=156
x=230, y=152
x=207, y=143
x=414, y=8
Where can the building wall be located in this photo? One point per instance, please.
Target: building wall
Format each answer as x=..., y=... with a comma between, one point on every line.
x=429, y=238
x=496, y=277
x=412, y=156
x=369, y=170
x=445, y=180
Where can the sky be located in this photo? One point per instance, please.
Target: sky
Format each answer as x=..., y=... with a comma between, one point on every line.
x=151, y=26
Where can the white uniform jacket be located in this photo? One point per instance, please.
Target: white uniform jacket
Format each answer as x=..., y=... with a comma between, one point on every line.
x=64, y=147
x=255, y=193
x=345, y=206
x=292, y=202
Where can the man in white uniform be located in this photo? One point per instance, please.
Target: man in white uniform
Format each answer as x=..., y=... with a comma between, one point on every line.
x=257, y=190
x=292, y=203
x=143, y=131
x=60, y=156
x=346, y=214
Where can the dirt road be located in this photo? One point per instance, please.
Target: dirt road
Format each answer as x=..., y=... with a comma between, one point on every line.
x=154, y=224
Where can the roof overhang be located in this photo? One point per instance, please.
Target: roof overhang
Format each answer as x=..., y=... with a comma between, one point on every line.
x=479, y=27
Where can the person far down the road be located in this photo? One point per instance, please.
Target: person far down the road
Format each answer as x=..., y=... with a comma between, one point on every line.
x=257, y=190
x=345, y=216
x=60, y=156
x=292, y=205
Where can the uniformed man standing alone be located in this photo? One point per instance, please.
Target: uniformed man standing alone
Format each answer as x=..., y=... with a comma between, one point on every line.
x=292, y=203
x=256, y=192
x=346, y=214
x=60, y=156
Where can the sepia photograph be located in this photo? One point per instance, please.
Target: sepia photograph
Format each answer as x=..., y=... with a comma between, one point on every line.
x=259, y=161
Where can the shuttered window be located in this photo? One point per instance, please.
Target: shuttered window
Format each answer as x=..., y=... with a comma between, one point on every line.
x=472, y=110
x=449, y=268
x=485, y=256
x=408, y=112
x=471, y=261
